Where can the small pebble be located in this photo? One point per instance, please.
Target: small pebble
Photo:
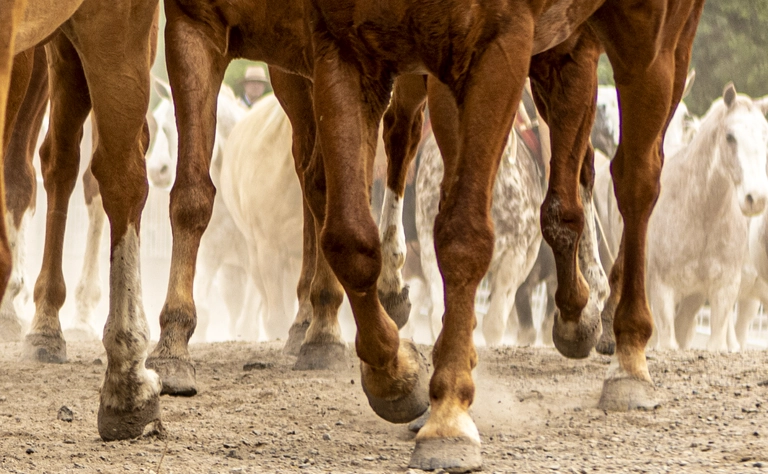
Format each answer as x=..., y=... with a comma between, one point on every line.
x=97, y=361
x=326, y=436
x=31, y=450
x=65, y=414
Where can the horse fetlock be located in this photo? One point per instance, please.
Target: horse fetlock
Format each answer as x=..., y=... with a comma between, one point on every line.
x=400, y=395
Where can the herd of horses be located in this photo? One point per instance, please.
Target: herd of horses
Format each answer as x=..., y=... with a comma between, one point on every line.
x=338, y=69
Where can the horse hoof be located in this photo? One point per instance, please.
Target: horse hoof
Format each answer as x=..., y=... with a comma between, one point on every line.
x=397, y=306
x=329, y=356
x=605, y=347
x=10, y=329
x=576, y=340
x=526, y=336
x=80, y=334
x=625, y=394
x=447, y=454
x=44, y=348
x=295, y=338
x=115, y=424
x=409, y=406
x=416, y=425
x=178, y=376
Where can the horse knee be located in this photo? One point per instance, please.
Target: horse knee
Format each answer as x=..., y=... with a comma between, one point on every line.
x=192, y=205
x=353, y=251
x=464, y=247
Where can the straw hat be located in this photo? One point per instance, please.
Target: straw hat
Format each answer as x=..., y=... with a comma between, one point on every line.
x=255, y=74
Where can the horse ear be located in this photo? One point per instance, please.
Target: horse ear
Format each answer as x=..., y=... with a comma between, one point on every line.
x=729, y=94
x=162, y=88
x=762, y=104
x=689, y=83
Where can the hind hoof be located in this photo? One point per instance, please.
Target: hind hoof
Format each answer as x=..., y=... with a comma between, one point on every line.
x=329, y=356
x=407, y=407
x=397, y=306
x=526, y=336
x=447, y=454
x=625, y=394
x=295, y=338
x=576, y=340
x=605, y=346
x=178, y=376
x=44, y=348
x=115, y=424
x=10, y=329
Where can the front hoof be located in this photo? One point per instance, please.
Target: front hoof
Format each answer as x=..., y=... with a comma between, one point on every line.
x=178, y=376
x=526, y=336
x=10, y=329
x=115, y=424
x=576, y=340
x=408, y=407
x=329, y=356
x=397, y=306
x=44, y=348
x=447, y=454
x=625, y=394
x=295, y=338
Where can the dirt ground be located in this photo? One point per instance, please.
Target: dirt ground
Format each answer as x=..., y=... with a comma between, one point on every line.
x=535, y=411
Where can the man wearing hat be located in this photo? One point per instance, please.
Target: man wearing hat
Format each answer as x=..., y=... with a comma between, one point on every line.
x=254, y=84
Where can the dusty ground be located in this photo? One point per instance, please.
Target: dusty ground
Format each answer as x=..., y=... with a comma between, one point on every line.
x=535, y=410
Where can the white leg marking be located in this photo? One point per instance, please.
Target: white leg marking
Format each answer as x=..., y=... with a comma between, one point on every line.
x=393, y=248
x=127, y=383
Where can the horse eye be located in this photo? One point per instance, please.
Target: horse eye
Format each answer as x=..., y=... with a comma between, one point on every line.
x=730, y=138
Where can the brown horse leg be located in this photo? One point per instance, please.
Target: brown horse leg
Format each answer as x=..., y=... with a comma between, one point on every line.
x=403, y=121
x=564, y=84
x=648, y=65
x=315, y=336
x=464, y=245
x=59, y=161
x=195, y=70
x=348, y=108
x=118, y=74
x=20, y=181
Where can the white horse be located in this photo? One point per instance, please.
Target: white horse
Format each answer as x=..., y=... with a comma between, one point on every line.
x=228, y=262
x=697, y=234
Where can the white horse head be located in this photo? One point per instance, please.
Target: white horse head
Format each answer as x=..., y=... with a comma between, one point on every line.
x=163, y=152
x=740, y=139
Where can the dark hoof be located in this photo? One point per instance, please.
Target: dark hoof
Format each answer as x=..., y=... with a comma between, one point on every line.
x=44, y=348
x=397, y=306
x=576, y=340
x=448, y=454
x=407, y=407
x=329, y=356
x=10, y=329
x=117, y=424
x=295, y=338
x=624, y=394
x=605, y=346
x=178, y=376
x=417, y=424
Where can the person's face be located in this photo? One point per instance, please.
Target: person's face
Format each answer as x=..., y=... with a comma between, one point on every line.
x=254, y=89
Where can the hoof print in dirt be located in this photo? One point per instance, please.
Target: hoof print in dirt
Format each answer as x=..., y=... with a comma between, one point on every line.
x=49, y=349
x=447, y=454
x=625, y=394
x=410, y=406
x=331, y=356
x=117, y=424
x=178, y=376
x=295, y=338
x=397, y=306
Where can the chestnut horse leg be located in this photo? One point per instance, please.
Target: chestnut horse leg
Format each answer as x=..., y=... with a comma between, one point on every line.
x=88, y=291
x=564, y=83
x=464, y=240
x=60, y=163
x=403, y=121
x=117, y=72
x=11, y=13
x=21, y=183
x=195, y=70
x=348, y=108
x=650, y=66
x=315, y=336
